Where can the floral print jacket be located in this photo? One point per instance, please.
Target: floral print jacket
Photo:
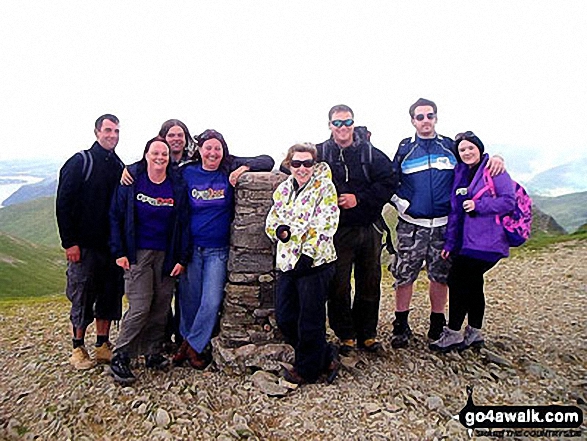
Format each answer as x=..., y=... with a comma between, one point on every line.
x=312, y=216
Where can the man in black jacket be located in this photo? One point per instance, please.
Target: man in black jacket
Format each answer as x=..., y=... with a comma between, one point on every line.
x=364, y=181
x=94, y=283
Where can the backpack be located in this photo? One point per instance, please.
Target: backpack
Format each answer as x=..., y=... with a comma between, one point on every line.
x=326, y=153
x=518, y=223
x=87, y=164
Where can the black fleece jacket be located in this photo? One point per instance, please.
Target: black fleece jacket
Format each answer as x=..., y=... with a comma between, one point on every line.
x=349, y=177
x=82, y=207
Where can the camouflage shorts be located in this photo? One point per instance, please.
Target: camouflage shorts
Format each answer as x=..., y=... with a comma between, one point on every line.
x=416, y=245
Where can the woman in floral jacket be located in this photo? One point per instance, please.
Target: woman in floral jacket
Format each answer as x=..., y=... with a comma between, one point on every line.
x=303, y=220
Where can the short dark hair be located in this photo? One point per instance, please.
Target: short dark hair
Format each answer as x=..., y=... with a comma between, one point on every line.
x=422, y=102
x=167, y=125
x=340, y=108
x=109, y=117
x=305, y=147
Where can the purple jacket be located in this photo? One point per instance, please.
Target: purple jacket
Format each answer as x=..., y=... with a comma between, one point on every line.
x=477, y=234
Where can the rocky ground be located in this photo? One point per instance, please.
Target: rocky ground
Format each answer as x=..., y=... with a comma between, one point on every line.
x=536, y=354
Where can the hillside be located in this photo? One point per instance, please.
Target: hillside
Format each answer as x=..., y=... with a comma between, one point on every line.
x=29, y=270
x=536, y=347
x=33, y=221
x=46, y=188
x=569, y=210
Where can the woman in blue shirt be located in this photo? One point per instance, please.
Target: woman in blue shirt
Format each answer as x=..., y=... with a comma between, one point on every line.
x=210, y=178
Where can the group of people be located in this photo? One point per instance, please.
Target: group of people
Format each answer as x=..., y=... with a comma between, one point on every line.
x=170, y=216
x=135, y=230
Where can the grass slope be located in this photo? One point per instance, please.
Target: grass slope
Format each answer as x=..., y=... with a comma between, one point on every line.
x=29, y=270
x=33, y=221
x=569, y=210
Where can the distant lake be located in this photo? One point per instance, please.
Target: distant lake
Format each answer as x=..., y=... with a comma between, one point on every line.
x=9, y=184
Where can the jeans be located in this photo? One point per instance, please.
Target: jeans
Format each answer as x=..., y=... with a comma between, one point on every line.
x=200, y=295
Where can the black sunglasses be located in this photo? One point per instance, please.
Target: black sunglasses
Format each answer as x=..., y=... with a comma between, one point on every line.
x=465, y=135
x=421, y=116
x=307, y=163
x=338, y=123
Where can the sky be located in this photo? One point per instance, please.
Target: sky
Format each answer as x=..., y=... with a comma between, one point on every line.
x=265, y=73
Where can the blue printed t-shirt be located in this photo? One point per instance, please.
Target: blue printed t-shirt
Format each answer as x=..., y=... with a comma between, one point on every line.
x=154, y=208
x=211, y=206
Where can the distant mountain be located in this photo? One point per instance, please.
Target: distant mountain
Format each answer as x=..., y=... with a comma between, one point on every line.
x=29, y=192
x=28, y=269
x=42, y=168
x=569, y=210
x=33, y=221
x=564, y=179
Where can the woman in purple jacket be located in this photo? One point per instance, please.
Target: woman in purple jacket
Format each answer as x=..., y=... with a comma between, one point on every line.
x=475, y=240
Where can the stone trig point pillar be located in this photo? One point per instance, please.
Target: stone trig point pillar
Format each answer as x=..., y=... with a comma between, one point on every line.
x=249, y=338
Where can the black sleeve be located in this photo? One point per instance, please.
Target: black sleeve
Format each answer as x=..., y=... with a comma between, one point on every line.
x=383, y=184
x=256, y=163
x=117, y=216
x=68, y=194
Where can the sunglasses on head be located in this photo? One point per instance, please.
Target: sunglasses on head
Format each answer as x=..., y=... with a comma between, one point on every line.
x=342, y=122
x=421, y=116
x=307, y=163
x=464, y=135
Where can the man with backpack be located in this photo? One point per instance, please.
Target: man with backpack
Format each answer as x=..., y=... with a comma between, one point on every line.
x=364, y=182
x=94, y=283
x=425, y=165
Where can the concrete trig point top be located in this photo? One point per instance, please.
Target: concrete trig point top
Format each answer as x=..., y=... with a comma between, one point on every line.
x=248, y=336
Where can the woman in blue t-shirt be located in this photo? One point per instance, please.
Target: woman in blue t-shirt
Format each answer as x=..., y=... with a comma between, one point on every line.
x=210, y=178
x=149, y=228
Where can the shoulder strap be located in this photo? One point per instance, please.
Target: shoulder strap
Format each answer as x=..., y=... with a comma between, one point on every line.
x=87, y=164
x=367, y=160
x=489, y=186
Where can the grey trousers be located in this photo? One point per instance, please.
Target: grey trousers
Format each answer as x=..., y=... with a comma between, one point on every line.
x=149, y=293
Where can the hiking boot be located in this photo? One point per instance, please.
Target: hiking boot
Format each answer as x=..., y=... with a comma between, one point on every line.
x=182, y=354
x=103, y=353
x=373, y=346
x=156, y=361
x=292, y=376
x=473, y=337
x=347, y=347
x=80, y=359
x=196, y=360
x=120, y=369
x=400, y=335
x=437, y=324
x=448, y=341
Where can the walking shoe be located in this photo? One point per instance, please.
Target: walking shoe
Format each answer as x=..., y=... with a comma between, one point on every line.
x=347, y=347
x=448, y=341
x=80, y=359
x=196, y=360
x=437, y=324
x=400, y=335
x=292, y=376
x=182, y=353
x=473, y=337
x=120, y=369
x=104, y=353
x=156, y=361
x=373, y=346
